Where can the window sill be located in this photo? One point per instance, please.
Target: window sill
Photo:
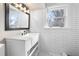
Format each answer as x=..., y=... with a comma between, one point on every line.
x=47, y=27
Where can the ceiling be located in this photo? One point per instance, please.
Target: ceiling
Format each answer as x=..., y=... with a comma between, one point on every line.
x=35, y=6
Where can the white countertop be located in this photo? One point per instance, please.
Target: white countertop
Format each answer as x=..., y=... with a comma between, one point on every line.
x=24, y=37
x=1, y=45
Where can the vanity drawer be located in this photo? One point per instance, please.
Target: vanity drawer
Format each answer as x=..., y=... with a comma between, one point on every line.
x=28, y=45
x=34, y=41
x=32, y=50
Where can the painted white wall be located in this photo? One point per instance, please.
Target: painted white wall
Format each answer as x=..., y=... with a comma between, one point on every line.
x=4, y=33
x=57, y=40
x=35, y=6
x=51, y=40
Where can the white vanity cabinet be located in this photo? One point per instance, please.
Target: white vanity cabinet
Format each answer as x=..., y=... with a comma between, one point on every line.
x=22, y=46
x=2, y=49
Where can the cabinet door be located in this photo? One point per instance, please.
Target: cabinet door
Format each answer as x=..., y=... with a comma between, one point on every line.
x=15, y=47
x=28, y=45
x=2, y=49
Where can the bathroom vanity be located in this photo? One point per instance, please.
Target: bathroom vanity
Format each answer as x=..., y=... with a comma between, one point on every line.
x=2, y=49
x=26, y=45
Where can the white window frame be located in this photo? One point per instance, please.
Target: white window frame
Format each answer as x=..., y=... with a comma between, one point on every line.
x=65, y=7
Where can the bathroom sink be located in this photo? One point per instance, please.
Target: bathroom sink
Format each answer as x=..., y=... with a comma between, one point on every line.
x=31, y=35
x=25, y=37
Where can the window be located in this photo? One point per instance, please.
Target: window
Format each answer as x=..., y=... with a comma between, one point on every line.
x=56, y=16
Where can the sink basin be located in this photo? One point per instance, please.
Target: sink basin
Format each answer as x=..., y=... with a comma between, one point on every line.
x=31, y=35
x=25, y=37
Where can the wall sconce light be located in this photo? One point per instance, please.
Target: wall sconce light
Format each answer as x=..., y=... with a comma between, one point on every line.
x=21, y=7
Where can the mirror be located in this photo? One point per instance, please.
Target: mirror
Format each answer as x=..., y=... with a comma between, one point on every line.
x=15, y=19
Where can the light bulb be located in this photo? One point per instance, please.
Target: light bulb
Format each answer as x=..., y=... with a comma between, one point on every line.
x=24, y=8
x=21, y=8
x=20, y=5
x=16, y=5
x=25, y=11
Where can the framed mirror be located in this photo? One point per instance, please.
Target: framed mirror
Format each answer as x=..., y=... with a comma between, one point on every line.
x=15, y=18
